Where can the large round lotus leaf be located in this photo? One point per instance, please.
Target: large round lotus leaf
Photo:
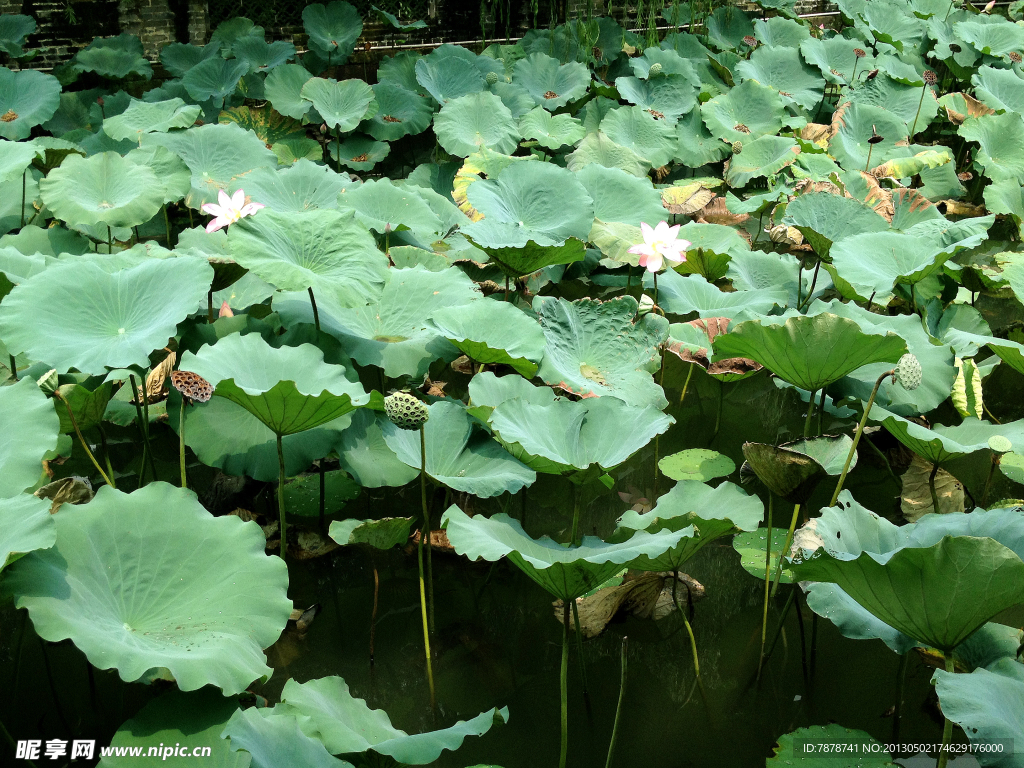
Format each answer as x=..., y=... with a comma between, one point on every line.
x=1001, y=140
x=399, y=113
x=890, y=24
x=174, y=179
x=383, y=207
x=272, y=738
x=364, y=454
x=809, y=352
x=459, y=457
x=727, y=26
x=639, y=130
x=347, y=725
x=179, y=58
x=937, y=595
x=597, y=148
x=551, y=131
x=823, y=219
x=835, y=58
x=784, y=70
x=682, y=295
x=855, y=125
x=761, y=157
x=290, y=389
x=151, y=579
x=261, y=56
x=669, y=96
x=788, y=471
x=752, y=548
x=149, y=117
x=467, y=123
x=25, y=525
x=102, y=189
x=836, y=740
x=14, y=29
x=321, y=249
x=449, y=73
x=991, y=39
x=385, y=533
x=487, y=392
x=27, y=98
x=333, y=29
x=565, y=572
x=219, y=156
x=1000, y=89
x=873, y=262
x=671, y=64
x=269, y=125
x=621, y=196
x=100, y=318
x=214, y=78
x=114, y=57
x=565, y=436
x=900, y=99
x=942, y=444
x=400, y=69
x=391, y=330
x=16, y=157
x=530, y=201
x=302, y=186
x=712, y=511
x=602, y=348
x=283, y=87
x=521, y=260
x=342, y=105
x=31, y=428
x=779, y=32
x=695, y=145
x=701, y=464
x=987, y=704
x=747, y=112
x=761, y=270
x=493, y=333
x=552, y=85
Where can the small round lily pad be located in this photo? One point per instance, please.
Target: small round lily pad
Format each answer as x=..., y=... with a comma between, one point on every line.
x=698, y=464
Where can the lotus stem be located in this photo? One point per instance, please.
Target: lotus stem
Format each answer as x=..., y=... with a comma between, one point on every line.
x=143, y=428
x=564, y=681
x=14, y=367
x=718, y=416
x=108, y=480
x=181, y=442
x=931, y=487
x=686, y=384
x=106, y=452
x=506, y=287
x=316, y=314
x=810, y=292
x=800, y=628
x=323, y=494
x=799, y=282
x=785, y=548
x=167, y=226
x=424, y=534
x=901, y=679
x=618, y=707
x=426, y=524
x=17, y=652
x=810, y=412
x=867, y=165
x=579, y=648
x=782, y=621
x=767, y=584
x=655, y=288
x=24, y=176
x=913, y=126
x=948, y=9
x=857, y=435
x=988, y=481
x=110, y=240
x=280, y=498
x=373, y=616
x=853, y=75
x=947, y=727
x=337, y=147
x=686, y=621
x=209, y=307
x=821, y=412
x=575, y=514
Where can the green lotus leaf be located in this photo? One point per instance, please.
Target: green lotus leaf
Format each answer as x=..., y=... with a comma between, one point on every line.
x=941, y=444
x=114, y=57
x=727, y=26
x=938, y=594
x=302, y=186
x=621, y=197
x=102, y=189
x=467, y=123
x=793, y=470
x=360, y=153
x=682, y=295
x=1001, y=144
x=448, y=73
x=33, y=241
x=551, y=84
x=289, y=151
x=1006, y=197
x=393, y=20
x=364, y=454
x=173, y=177
x=751, y=546
x=385, y=533
x=700, y=464
x=487, y=392
x=135, y=589
x=27, y=98
x=835, y=55
x=16, y=157
x=824, y=219
x=761, y=270
x=987, y=704
x=809, y=352
x=400, y=69
x=1000, y=89
x=383, y=207
x=530, y=201
x=219, y=156
x=764, y=156
x=857, y=124
x=283, y=88
x=179, y=58
x=26, y=526
x=597, y=148
x=870, y=754
x=783, y=70
x=101, y=318
x=399, y=113
x=563, y=437
x=991, y=39
x=269, y=125
x=346, y=725
x=746, y=112
x=289, y=389
x=907, y=167
x=273, y=737
x=781, y=32
x=550, y=131
x=320, y=249
x=87, y=405
x=493, y=333
x=670, y=96
x=695, y=145
x=565, y=572
x=31, y=427
x=601, y=348
x=176, y=718
x=333, y=29
x=343, y=105
x=456, y=456
x=899, y=99
x=214, y=78
x=302, y=493
x=889, y=24
x=391, y=331
x=259, y=55
x=14, y=29
x=635, y=128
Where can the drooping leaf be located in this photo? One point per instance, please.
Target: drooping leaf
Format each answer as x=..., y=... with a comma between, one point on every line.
x=25, y=525
x=832, y=739
x=149, y=117
x=492, y=332
x=31, y=427
x=385, y=533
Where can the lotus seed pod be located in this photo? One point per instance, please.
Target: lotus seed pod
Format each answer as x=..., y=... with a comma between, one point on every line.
x=908, y=372
x=655, y=69
x=405, y=411
x=48, y=381
x=492, y=78
x=646, y=306
x=737, y=147
x=999, y=444
x=929, y=77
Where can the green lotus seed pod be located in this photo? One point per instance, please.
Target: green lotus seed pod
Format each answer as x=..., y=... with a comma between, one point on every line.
x=737, y=147
x=405, y=411
x=908, y=372
x=999, y=444
x=655, y=69
x=492, y=78
x=48, y=381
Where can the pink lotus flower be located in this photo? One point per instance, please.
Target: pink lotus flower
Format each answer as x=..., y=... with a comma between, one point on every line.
x=660, y=243
x=230, y=209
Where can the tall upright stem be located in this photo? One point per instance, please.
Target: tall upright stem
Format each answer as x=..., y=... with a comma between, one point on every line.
x=373, y=616
x=564, y=680
x=931, y=487
x=108, y=480
x=785, y=548
x=209, y=307
x=575, y=514
x=686, y=384
x=579, y=647
x=167, y=226
x=767, y=584
x=810, y=412
x=181, y=443
x=947, y=727
x=856, y=437
x=424, y=534
x=280, y=499
x=655, y=288
x=618, y=707
x=686, y=621
x=316, y=314
x=913, y=126
x=110, y=240
x=867, y=165
x=14, y=367
x=143, y=428
x=24, y=176
x=901, y=678
x=426, y=525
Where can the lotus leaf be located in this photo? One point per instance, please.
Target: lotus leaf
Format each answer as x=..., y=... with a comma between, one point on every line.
x=695, y=145
x=102, y=318
x=301, y=186
x=872, y=263
x=333, y=29
x=991, y=39
x=551, y=84
x=692, y=293
x=999, y=89
x=746, y=112
x=941, y=444
x=699, y=464
x=598, y=148
x=824, y=219
x=835, y=55
x=214, y=79
x=620, y=196
x=493, y=333
x=467, y=123
x=102, y=189
x=448, y=73
x=134, y=589
x=269, y=125
x=899, y=99
x=16, y=157
x=487, y=392
x=399, y=113
x=283, y=88
x=115, y=57
x=179, y=58
x=343, y=105
x=273, y=737
x=383, y=207
x=259, y=55
x=31, y=427
x=380, y=534
x=859, y=743
x=782, y=69
x=855, y=125
x=764, y=156
x=669, y=97
x=14, y=28
x=751, y=546
x=793, y=470
x=638, y=130
x=758, y=271
x=365, y=455
x=550, y=131
x=727, y=26
x=88, y=406
x=889, y=24
x=26, y=525
x=302, y=494
x=1001, y=144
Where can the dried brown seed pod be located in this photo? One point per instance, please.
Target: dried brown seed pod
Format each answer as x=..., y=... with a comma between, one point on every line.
x=192, y=385
x=929, y=77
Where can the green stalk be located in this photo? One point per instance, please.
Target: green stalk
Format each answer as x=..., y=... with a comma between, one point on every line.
x=867, y=165
x=110, y=240
x=424, y=534
x=810, y=411
x=810, y=292
x=785, y=548
x=686, y=384
x=618, y=707
x=142, y=428
x=853, y=75
x=655, y=288
x=686, y=621
x=181, y=442
x=947, y=728
x=767, y=584
x=24, y=175
x=856, y=437
x=564, y=680
x=931, y=487
x=575, y=514
x=106, y=452
x=167, y=226
x=316, y=314
x=901, y=679
x=14, y=367
x=924, y=90
x=108, y=480
x=145, y=413
x=280, y=499
x=209, y=307
x=427, y=525
x=579, y=647
x=988, y=481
